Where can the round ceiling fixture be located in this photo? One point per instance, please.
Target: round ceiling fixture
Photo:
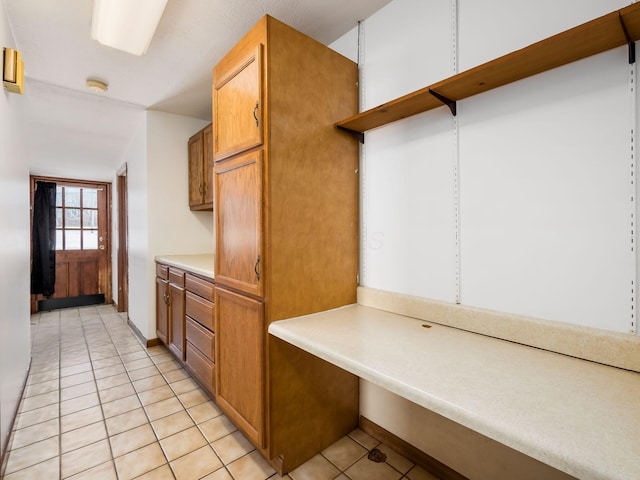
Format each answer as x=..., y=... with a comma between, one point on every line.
x=97, y=86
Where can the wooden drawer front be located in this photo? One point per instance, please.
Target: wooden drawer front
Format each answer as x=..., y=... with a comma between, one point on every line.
x=176, y=276
x=200, y=310
x=162, y=271
x=201, y=338
x=199, y=286
x=201, y=367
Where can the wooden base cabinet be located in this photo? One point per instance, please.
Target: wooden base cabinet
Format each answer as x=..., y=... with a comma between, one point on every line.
x=162, y=303
x=185, y=321
x=286, y=222
x=199, y=331
x=241, y=362
x=176, y=312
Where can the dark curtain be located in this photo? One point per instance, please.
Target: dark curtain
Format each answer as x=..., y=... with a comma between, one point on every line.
x=43, y=266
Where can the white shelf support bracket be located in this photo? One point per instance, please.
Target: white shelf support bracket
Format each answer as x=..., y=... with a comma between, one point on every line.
x=633, y=193
x=456, y=157
x=362, y=276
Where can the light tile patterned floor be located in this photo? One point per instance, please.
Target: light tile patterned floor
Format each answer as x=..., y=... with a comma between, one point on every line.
x=98, y=405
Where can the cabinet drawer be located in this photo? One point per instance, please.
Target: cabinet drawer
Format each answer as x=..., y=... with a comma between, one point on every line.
x=200, y=337
x=199, y=286
x=176, y=276
x=201, y=367
x=162, y=271
x=200, y=310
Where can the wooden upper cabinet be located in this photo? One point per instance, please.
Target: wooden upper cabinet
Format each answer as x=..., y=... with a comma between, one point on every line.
x=201, y=170
x=238, y=187
x=237, y=106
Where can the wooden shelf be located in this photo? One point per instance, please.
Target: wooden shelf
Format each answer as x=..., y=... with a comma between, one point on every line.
x=613, y=30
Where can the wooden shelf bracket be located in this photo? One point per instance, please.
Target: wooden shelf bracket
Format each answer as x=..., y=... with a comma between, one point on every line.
x=447, y=101
x=631, y=44
x=355, y=133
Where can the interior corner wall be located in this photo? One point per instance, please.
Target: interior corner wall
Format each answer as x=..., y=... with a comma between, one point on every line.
x=172, y=227
x=15, y=344
x=160, y=222
x=135, y=157
x=532, y=179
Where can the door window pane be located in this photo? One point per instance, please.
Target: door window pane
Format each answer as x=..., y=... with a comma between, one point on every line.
x=89, y=218
x=72, y=197
x=72, y=218
x=89, y=198
x=59, y=244
x=58, y=218
x=58, y=196
x=89, y=239
x=72, y=240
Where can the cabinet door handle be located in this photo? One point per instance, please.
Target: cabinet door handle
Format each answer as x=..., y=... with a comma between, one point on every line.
x=166, y=299
x=255, y=268
x=255, y=111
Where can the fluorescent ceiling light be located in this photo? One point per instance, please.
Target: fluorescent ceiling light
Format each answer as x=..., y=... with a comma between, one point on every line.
x=127, y=25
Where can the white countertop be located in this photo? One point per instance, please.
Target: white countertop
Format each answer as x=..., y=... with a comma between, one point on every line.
x=200, y=264
x=578, y=416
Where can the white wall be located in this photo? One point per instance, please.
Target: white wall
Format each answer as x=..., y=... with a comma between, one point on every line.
x=542, y=168
x=15, y=345
x=160, y=222
x=136, y=159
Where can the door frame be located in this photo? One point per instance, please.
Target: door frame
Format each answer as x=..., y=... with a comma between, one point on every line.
x=80, y=183
x=123, y=239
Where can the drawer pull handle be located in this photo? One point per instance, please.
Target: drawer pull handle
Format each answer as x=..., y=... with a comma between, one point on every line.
x=255, y=268
x=255, y=110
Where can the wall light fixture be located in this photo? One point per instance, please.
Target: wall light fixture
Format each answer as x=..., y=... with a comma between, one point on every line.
x=12, y=70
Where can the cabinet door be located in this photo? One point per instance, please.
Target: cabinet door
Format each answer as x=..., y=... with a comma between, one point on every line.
x=237, y=106
x=196, y=185
x=176, y=316
x=240, y=361
x=162, y=312
x=207, y=164
x=239, y=258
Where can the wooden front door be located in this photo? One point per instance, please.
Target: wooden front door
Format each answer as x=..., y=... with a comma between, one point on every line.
x=83, y=266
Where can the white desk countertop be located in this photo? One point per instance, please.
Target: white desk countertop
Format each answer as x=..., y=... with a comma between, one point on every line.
x=200, y=264
x=578, y=416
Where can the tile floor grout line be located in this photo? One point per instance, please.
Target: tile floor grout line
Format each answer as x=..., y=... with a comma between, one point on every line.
x=95, y=380
x=143, y=409
x=59, y=397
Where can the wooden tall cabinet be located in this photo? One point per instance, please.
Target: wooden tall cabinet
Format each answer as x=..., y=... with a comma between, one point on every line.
x=286, y=213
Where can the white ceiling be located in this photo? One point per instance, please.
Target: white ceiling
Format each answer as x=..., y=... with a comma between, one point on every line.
x=174, y=76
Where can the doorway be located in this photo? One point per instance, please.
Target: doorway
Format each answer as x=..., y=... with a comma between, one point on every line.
x=83, y=246
x=123, y=235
